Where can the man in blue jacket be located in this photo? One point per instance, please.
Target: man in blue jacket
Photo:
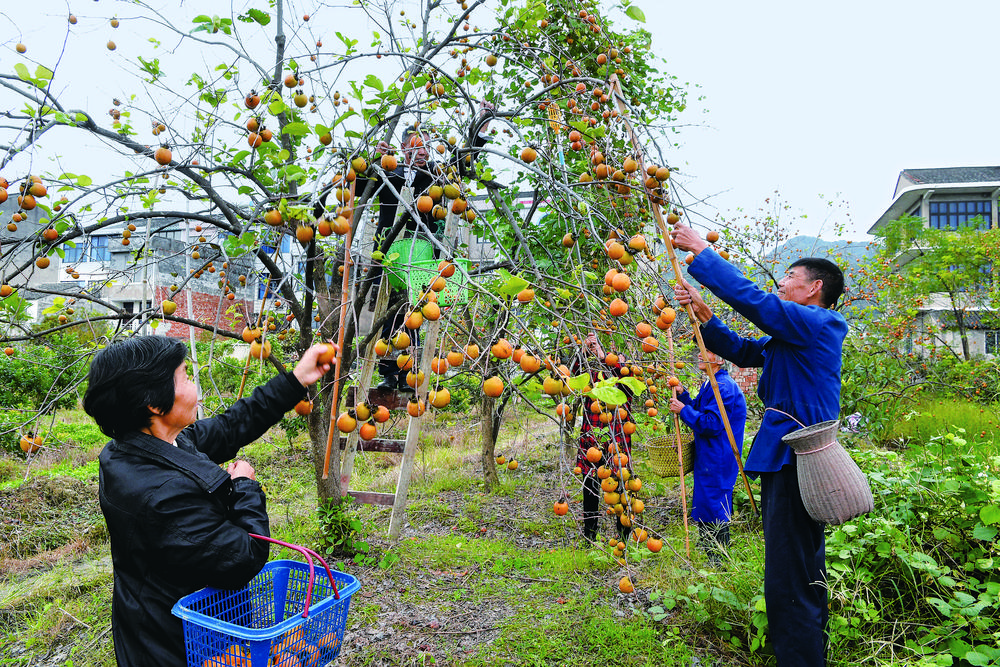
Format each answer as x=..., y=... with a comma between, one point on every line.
x=715, y=467
x=800, y=356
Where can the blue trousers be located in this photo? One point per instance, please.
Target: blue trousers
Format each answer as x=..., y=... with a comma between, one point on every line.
x=794, y=572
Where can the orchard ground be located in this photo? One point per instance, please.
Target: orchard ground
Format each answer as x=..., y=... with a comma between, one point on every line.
x=477, y=578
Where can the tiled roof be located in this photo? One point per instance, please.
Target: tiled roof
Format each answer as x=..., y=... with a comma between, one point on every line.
x=974, y=319
x=953, y=175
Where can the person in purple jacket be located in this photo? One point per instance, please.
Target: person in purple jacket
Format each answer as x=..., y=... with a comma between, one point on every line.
x=800, y=359
x=715, y=467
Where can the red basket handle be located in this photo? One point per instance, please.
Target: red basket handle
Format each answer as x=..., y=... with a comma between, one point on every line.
x=309, y=555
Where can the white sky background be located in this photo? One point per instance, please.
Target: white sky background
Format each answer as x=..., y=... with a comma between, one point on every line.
x=832, y=99
x=816, y=101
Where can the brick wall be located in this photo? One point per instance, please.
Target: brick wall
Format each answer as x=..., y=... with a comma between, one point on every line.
x=746, y=378
x=208, y=309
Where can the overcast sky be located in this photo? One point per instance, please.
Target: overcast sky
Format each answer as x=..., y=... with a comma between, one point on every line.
x=818, y=102
x=830, y=99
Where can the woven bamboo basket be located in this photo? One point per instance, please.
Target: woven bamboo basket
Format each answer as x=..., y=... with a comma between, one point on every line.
x=663, y=454
x=833, y=488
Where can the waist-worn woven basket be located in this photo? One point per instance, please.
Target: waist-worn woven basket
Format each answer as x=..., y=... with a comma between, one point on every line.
x=832, y=486
x=663, y=454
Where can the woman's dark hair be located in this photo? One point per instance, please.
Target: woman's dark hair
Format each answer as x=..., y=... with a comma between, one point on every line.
x=128, y=378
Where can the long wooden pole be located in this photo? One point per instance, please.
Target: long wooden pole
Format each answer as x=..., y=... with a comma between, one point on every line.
x=695, y=324
x=338, y=359
x=680, y=454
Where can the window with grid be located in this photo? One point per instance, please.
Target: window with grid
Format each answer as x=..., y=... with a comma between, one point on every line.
x=951, y=214
x=992, y=341
x=89, y=249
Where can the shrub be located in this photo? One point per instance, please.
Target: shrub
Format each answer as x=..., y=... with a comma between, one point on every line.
x=39, y=377
x=974, y=380
x=922, y=572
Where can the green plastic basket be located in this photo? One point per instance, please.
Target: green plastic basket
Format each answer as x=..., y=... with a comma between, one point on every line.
x=411, y=250
x=416, y=267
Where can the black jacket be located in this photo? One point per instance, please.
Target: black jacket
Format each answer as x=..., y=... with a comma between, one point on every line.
x=178, y=522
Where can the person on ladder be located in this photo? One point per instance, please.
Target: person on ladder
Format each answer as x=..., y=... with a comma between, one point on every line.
x=417, y=174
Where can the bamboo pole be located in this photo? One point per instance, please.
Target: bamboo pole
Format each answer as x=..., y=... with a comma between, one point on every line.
x=339, y=358
x=680, y=454
x=661, y=225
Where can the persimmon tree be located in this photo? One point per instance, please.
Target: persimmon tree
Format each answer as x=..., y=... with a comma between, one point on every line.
x=270, y=136
x=950, y=270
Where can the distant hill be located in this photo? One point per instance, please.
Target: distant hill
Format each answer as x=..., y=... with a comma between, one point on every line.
x=810, y=246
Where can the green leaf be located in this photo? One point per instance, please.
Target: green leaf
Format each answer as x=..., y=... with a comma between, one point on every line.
x=240, y=156
x=635, y=13
x=578, y=382
x=989, y=515
x=296, y=129
x=84, y=181
x=943, y=607
x=22, y=72
x=276, y=107
x=373, y=81
x=43, y=73
x=60, y=117
x=984, y=533
x=202, y=18
x=609, y=395
x=976, y=659
x=344, y=117
x=257, y=15
x=635, y=385
x=512, y=284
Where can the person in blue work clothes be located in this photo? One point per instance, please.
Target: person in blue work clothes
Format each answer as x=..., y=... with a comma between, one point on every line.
x=800, y=359
x=715, y=466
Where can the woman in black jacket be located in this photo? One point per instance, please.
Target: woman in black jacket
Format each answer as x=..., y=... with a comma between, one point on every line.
x=178, y=521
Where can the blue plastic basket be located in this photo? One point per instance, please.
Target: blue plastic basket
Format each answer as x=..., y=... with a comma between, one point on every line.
x=266, y=623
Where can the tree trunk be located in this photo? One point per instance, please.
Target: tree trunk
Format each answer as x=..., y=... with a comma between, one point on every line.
x=963, y=333
x=319, y=428
x=487, y=412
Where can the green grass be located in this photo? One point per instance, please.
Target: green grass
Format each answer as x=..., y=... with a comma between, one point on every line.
x=557, y=604
x=934, y=416
x=551, y=599
x=66, y=468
